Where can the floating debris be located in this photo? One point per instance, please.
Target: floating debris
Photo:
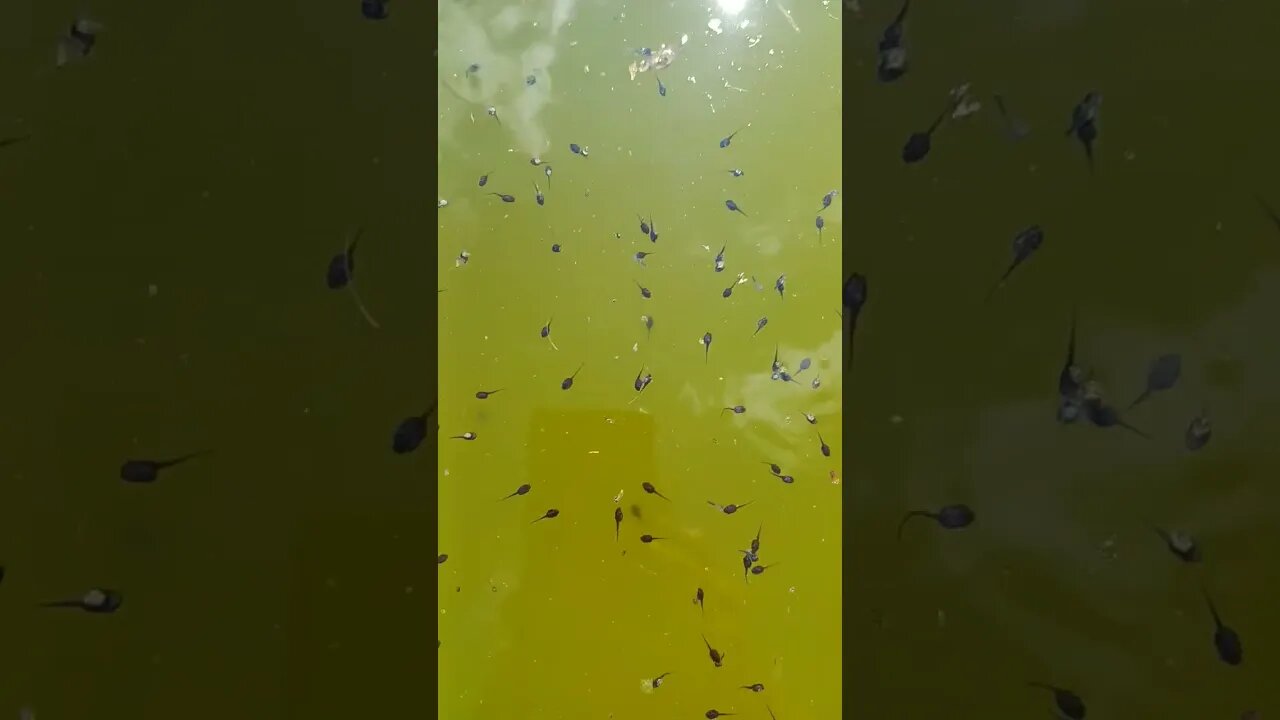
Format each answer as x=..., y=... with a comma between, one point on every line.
x=650, y=60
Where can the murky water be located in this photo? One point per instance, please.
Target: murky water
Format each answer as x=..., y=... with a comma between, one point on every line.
x=167, y=228
x=1062, y=578
x=561, y=618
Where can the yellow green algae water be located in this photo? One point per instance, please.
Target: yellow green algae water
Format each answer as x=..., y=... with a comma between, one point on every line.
x=560, y=618
x=1061, y=579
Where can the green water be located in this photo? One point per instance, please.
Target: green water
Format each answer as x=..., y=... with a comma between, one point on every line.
x=221, y=155
x=1061, y=578
x=560, y=619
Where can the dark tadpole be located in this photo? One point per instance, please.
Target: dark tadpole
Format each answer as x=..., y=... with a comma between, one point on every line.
x=646, y=539
x=1163, y=374
x=617, y=523
x=548, y=515
x=1070, y=391
x=441, y=558
x=1025, y=244
x=342, y=267
x=706, y=347
x=950, y=517
x=409, y=434
x=736, y=410
x=1226, y=640
x=1084, y=124
x=650, y=489
x=1199, y=431
x=716, y=657
x=826, y=449
x=504, y=198
x=97, y=600
x=855, y=296
x=700, y=599
x=892, y=63
x=724, y=142
x=759, y=569
x=657, y=681
x=377, y=10
x=1068, y=704
x=522, y=490
x=484, y=394
x=713, y=714
x=774, y=468
x=464, y=436
x=919, y=144
x=755, y=687
x=730, y=508
x=733, y=207
x=1180, y=544
x=148, y=471
x=78, y=42
x=642, y=380
x=568, y=382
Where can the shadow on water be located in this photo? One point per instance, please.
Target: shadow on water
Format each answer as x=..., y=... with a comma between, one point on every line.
x=1162, y=250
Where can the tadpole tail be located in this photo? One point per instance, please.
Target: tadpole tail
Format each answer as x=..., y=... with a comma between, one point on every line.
x=1071, y=341
x=355, y=295
x=351, y=246
x=61, y=604
x=1212, y=609
x=908, y=516
x=182, y=459
x=902, y=14
x=1140, y=399
x=1270, y=211
x=999, y=100
x=1044, y=686
x=848, y=356
x=1088, y=155
x=1133, y=429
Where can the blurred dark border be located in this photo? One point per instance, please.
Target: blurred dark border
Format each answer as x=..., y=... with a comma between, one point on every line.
x=852, y=669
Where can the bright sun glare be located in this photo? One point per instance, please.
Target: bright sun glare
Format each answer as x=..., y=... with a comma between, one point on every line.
x=731, y=7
